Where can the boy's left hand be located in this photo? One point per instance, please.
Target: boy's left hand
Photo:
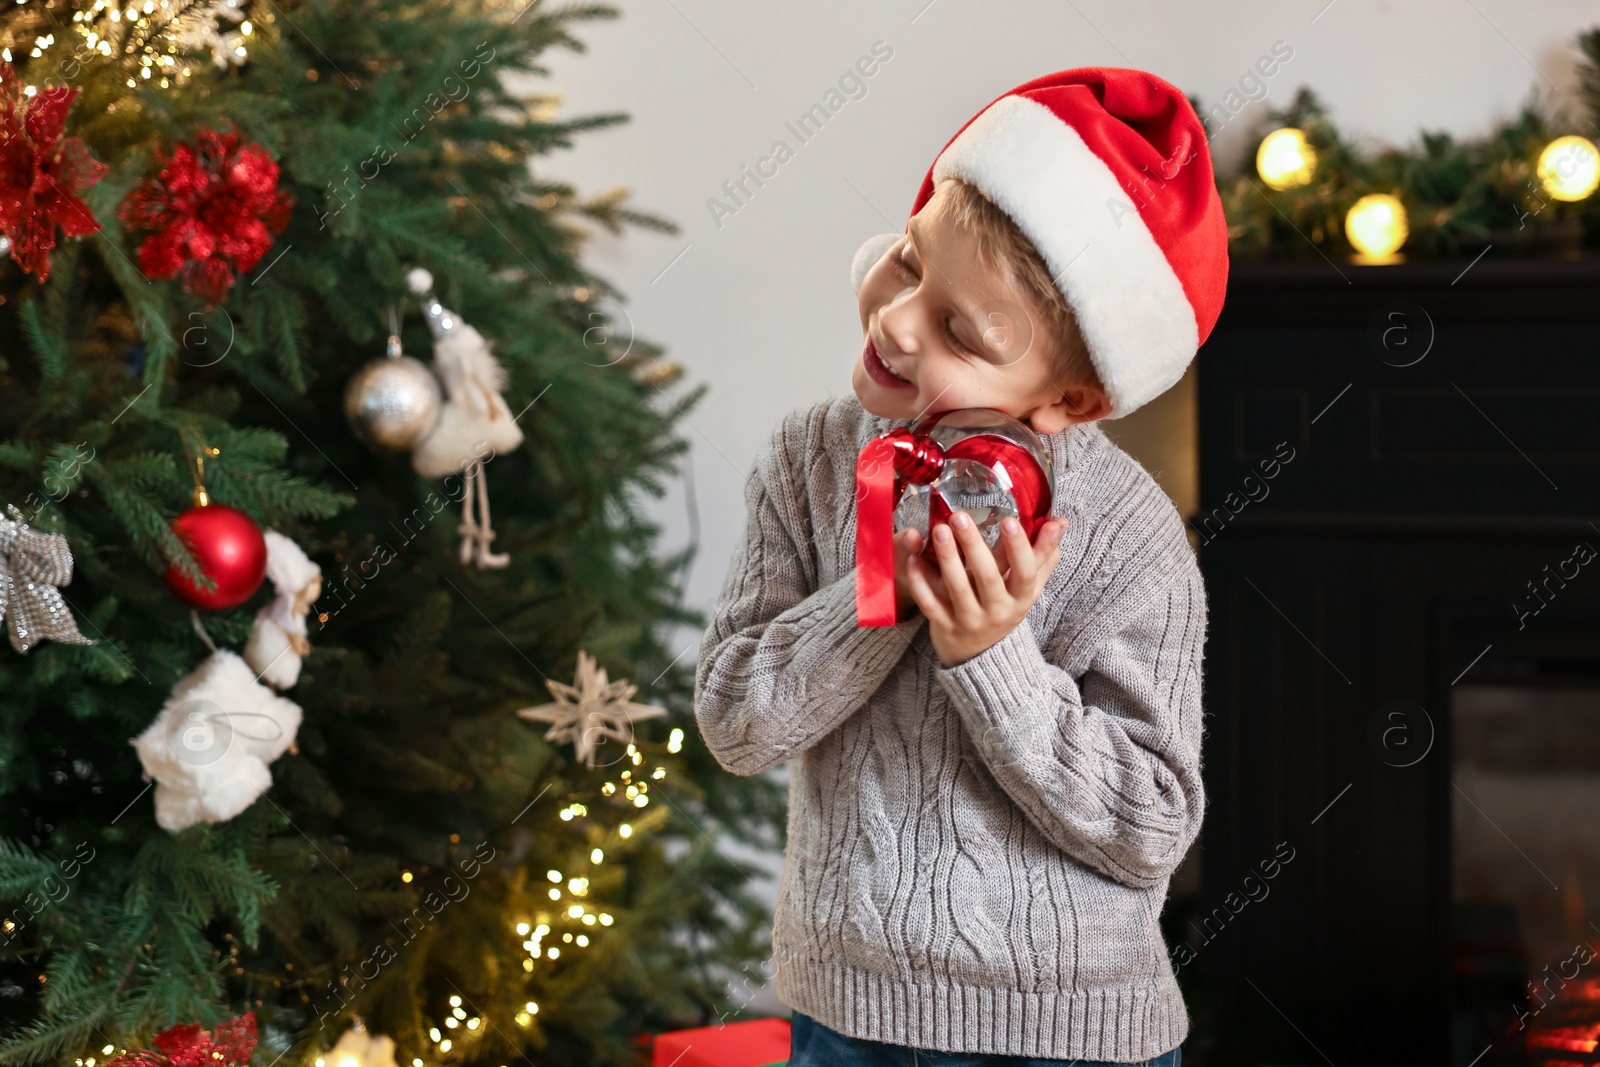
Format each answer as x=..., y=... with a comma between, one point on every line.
x=969, y=604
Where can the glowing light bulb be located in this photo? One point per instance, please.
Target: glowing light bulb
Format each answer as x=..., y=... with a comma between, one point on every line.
x=348, y=1060
x=1569, y=168
x=1286, y=159
x=1376, y=226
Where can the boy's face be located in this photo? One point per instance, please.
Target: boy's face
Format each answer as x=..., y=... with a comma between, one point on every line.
x=958, y=334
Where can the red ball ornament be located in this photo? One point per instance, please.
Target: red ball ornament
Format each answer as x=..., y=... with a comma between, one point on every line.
x=229, y=547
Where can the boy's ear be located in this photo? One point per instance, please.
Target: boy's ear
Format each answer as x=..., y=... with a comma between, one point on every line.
x=1077, y=403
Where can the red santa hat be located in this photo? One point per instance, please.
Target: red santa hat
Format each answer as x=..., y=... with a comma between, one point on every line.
x=1108, y=172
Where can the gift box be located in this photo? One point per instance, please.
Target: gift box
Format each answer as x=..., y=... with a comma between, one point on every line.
x=752, y=1043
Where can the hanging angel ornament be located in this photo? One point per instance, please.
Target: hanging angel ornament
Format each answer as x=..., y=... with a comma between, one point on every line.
x=278, y=636
x=209, y=746
x=594, y=709
x=474, y=420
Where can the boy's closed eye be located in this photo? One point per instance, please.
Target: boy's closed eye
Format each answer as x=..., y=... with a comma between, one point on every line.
x=903, y=267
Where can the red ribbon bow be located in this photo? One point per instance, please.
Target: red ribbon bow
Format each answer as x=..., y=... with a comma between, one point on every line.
x=900, y=457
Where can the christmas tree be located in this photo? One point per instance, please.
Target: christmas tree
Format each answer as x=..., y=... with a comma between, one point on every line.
x=216, y=215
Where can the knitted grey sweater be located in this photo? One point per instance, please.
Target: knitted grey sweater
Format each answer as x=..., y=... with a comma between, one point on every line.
x=978, y=855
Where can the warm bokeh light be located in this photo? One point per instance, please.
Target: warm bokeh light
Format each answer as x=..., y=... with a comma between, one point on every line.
x=1569, y=168
x=1376, y=226
x=1285, y=159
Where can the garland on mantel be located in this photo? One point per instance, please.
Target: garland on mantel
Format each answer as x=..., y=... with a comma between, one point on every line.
x=1456, y=198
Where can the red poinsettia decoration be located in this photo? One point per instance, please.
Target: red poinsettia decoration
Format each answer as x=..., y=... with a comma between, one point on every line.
x=213, y=210
x=188, y=1045
x=41, y=173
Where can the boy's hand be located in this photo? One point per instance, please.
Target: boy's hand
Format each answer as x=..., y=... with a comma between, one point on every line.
x=967, y=614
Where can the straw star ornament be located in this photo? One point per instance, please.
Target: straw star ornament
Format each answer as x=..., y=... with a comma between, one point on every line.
x=593, y=709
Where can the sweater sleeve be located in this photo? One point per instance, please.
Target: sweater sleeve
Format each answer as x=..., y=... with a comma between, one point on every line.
x=1107, y=768
x=783, y=662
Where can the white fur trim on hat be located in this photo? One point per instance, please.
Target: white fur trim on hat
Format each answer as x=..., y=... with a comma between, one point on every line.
x=1131, y=308
x=867, y=256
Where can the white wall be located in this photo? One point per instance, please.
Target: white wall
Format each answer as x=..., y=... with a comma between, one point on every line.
x=760, y=306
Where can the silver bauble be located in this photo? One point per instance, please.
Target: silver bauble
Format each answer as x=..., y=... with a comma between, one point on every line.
x=393, y=402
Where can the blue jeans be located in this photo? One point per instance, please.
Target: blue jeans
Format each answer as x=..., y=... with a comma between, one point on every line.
x=813, y=1045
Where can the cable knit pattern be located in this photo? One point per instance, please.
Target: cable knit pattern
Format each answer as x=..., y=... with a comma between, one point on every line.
x=977, y=855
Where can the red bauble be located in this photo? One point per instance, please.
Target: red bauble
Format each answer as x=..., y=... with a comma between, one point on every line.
x=229, y=547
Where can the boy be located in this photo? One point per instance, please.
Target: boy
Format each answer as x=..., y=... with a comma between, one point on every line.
x=985, y=811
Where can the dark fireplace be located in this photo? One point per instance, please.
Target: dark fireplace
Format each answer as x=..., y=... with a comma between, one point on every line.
x=1525, y=858
x=1399, y=524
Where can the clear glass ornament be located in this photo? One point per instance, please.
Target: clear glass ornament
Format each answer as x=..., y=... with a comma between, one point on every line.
x=983, y=492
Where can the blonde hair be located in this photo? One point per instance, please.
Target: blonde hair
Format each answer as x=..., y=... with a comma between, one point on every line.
x=1001, y=244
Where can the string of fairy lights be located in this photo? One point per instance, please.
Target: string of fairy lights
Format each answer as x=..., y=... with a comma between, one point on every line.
x=583, y=919
x=1568, y=169
x=159, y=40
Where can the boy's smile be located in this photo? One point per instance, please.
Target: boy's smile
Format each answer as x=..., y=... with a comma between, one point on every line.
x=944, y=329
